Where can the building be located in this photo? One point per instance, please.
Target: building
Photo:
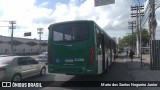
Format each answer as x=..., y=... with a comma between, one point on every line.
x=115, y=39
x=22, y=46
x=119, y=39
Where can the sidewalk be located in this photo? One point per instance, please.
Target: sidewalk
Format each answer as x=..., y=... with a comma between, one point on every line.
x=143, y=73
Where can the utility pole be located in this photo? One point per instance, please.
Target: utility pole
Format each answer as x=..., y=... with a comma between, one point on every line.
x=40, y=31
x=132, y=26
x=137, y=15
x=152, y=19
x=12, y=27
x=152, y=26
x=140, y=27
x=133, y=8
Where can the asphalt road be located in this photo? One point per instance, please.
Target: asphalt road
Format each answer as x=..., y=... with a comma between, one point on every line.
x=117, y=72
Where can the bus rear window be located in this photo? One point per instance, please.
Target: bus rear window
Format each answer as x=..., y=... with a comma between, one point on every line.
x=70, y=32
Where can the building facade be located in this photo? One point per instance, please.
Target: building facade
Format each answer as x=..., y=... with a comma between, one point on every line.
x=22, y=46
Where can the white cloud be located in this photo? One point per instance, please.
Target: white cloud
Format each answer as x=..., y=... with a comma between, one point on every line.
x=23, y=12
x=44, y=4
x=112, y=18
x=106, y=16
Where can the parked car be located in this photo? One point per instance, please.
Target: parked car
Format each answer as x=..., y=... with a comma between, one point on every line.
x=43, y=57
x=16, y=68
x=44, y=53
x=3, y=55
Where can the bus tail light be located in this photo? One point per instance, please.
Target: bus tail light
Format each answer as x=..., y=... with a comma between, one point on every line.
x=50, y=56
x=91, y=54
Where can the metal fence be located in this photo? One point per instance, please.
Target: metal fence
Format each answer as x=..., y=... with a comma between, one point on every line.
x=155, y=54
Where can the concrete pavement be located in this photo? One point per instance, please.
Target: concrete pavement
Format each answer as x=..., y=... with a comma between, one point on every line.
x=142, y=73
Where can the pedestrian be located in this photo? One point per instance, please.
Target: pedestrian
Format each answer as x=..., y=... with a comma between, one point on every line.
x=131, y=53
x=127, y=52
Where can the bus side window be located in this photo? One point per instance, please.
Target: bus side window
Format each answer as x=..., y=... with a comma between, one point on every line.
x=107, y=44
x=98, y=38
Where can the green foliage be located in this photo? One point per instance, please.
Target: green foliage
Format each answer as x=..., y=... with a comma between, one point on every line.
x=126, y=41
x=145, y=38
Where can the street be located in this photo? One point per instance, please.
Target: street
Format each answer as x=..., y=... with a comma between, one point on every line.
x=95, y=44
x=117, y=72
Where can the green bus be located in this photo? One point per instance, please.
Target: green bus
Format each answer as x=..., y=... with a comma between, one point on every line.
x=79, y=48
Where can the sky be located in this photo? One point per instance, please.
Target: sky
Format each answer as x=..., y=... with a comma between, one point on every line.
x=32, y=14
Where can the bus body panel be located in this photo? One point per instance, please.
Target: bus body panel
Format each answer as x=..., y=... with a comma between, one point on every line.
x=99, y=59
x=72, y=57
x=78, y=57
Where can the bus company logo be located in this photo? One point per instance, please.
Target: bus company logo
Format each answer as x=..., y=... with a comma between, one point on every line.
x=69, y=60
x=6, y=84
x=79, y=59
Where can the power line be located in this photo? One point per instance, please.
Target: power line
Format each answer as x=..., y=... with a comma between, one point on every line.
x=146, y=15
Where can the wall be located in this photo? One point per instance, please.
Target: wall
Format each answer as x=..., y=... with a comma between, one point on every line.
x=21, y=46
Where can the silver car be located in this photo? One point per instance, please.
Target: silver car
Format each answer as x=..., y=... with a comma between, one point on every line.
x=16, y=68
x=43, y=57
x=4, y=55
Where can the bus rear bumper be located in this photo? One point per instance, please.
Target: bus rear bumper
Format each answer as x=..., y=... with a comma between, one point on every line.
x=78, y=70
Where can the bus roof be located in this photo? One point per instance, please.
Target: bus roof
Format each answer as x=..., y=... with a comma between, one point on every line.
x=64, y=22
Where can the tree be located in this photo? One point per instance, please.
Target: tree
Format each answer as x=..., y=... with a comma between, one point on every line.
x=126, y=41
x=145, y=37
